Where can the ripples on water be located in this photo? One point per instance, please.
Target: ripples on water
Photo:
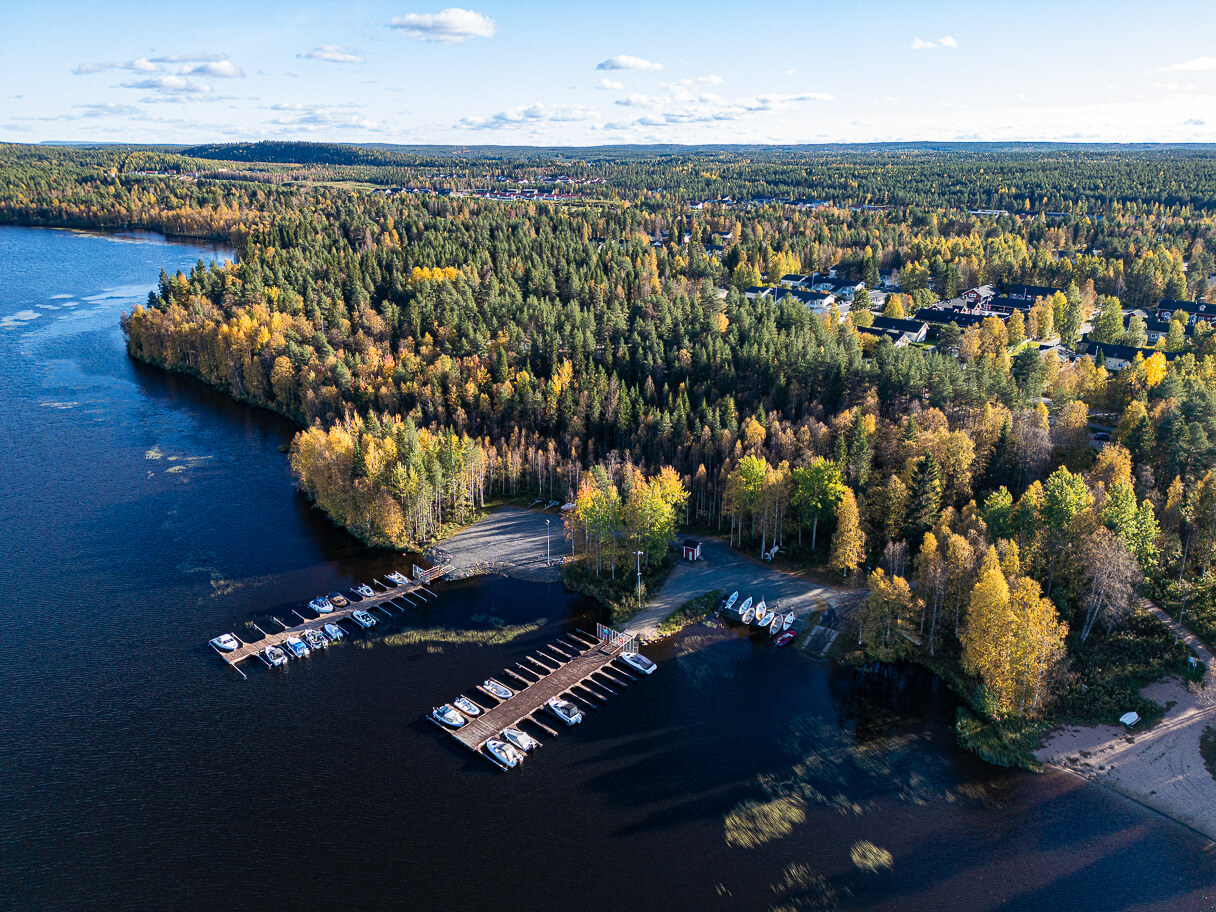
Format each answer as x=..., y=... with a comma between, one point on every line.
x=144, y=514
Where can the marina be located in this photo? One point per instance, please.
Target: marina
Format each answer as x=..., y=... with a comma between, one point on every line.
x=576, y=670
x=291, y=639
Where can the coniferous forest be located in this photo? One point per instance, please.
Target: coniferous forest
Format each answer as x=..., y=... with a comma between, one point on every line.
x=446, y=336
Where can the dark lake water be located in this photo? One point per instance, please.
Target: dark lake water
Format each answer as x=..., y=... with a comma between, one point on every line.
x=142, y=514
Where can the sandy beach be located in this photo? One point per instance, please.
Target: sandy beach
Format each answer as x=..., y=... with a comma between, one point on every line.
x=1160, y=767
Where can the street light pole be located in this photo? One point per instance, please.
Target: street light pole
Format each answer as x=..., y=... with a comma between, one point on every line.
x=547, y=561
x=639, y=554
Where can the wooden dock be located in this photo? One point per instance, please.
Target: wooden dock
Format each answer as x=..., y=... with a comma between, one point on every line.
x=578, y=668
x=381, y=600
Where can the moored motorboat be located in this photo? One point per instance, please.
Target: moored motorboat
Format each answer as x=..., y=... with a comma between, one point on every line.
x=448, y=716
x=296, y=647
x=338, y=600
x=638, y=662
x=784, y=639
x=504, y=753
x=363, y=619
x=314, y=638
x=730, y=602
x=365, y=590
x=274, y=655
x=565, y=710
x=502, y=691
x=226, y=642
x=334, y=632
x=746, y=612
x=520, y=739
x=467, y=706
x=788, y=621
x=321, y=605
x=399, y=578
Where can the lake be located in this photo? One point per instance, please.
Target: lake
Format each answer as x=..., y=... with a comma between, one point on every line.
x=144, y=513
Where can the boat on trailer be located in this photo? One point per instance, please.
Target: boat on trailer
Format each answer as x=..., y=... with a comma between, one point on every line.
x=565, y=710
x=502, y=691
x=446, y=715
x=520, y=739
x=334, y=632
x=467, y=706
x=505, y=753
x=638, y=662
x=226, y=642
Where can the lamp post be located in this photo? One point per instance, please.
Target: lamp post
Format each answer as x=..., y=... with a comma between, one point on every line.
x=547, y=561
x=639, y=554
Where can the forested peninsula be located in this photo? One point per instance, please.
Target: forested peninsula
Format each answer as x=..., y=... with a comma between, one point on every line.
x=629, y=331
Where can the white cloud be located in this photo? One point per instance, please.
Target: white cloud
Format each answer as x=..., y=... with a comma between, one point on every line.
x=606, y=83
x=710, y=80
x=1194, y=65
x=531, y=114
x=169, y=84
x=627, y=62
x=141, y=65
x=223, y=69
x=1023, y=97
x=450, y=26
x=334, y=53
x=300, y=117
x=190, y=58
x=791, y=72
x=920, y=44
x=638, y=100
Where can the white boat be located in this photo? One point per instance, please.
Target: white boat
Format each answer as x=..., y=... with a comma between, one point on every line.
x=448, y=716
x=363, y=619
x=504, y=753
x=467, y=706
x=334, y=632
x=314, y=638
x=638, y=662
x=564, y=710
x=520, y=739
x=321, y=605
x=746, y=612
x=274, y=655
x=296, y=647
x=730, y=602
x=764, y=615
x=774, y=626
x=226, y=642
x=788, y=621
x=365, y=590
x=397, y=578
x=502, y=691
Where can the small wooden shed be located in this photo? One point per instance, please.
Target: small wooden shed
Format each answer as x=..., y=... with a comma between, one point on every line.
x=692, y=550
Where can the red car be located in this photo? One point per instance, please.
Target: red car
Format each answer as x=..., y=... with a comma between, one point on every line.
x=784, y=639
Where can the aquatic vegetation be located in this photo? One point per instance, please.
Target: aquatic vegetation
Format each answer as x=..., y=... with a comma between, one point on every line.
x=803, y=889
x=754, y=823
x=690, y=612
x=869, y=857
x=444, y=636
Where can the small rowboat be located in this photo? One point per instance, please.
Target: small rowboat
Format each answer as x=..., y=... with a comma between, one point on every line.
x=746, y=612
x=499, y=690
x=730, y=602
x=788, y=621
x=784, y=639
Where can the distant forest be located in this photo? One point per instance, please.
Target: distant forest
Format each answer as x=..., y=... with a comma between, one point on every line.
x=440, y=349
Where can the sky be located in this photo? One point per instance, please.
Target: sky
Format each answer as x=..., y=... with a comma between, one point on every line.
x=576, y=73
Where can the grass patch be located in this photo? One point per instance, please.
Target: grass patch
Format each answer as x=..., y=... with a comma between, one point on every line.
x=691, y=612
x=1108, y=671
x=869, y=857
x=754, y=823
x=620, y=595
x=443, y=636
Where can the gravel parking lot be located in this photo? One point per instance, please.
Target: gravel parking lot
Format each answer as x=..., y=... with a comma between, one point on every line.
x=510, y=542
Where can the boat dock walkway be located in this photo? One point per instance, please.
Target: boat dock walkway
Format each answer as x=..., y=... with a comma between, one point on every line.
x=381, y=600
x=577, y=668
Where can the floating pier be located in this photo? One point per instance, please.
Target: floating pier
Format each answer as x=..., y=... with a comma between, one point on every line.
x=577, y=668
x=380, y=600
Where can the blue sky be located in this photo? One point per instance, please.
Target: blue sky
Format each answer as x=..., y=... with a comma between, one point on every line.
x=546, y=73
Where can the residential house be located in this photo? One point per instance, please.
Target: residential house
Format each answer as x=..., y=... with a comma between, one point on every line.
x=1157, y=329
x=816, y=301
x=976, y=297
x=1195, y=311
x=1117, y=357
x=901, y=332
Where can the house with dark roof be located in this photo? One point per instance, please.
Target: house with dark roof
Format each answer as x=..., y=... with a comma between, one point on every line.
x=817, y=301
x=1029, y=293
x=1195, y=311
x=757, y=291
x=976, y=297
x=901, y=332
x=795, y=280
x=1157, y=329
x=960, y=318
x=1117, y=357
x=1004, y=306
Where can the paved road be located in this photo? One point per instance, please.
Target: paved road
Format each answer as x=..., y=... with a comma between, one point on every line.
x=724, y=568
x=510, y=541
